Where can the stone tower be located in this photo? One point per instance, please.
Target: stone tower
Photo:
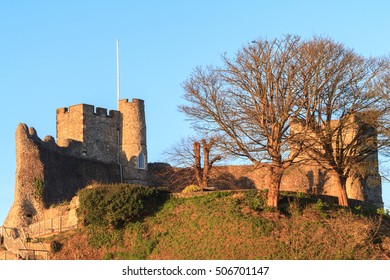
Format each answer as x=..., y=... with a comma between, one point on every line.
x=116, y=137
x=133, y=157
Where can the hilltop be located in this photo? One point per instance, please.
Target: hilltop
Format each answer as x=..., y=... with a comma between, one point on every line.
x=225, y=225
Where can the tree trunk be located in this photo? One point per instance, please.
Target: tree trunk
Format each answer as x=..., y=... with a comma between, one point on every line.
x=341, y=189
x=197, y=164
x=274, y=186
x=202, y=173
x=206, y=163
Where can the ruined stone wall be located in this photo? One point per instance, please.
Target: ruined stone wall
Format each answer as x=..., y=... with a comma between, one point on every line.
x=358, y=137
x=28, y=167
x=67, y=209
x=46, y=175
x=298, y=178
x=133, y=140
x=64, y=175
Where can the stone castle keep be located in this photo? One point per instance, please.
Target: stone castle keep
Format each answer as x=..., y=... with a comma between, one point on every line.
x=114, y=137
x=96, y=145
x=92, y=145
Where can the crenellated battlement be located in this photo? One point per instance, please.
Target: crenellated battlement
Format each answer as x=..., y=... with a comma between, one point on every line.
x=134, y=101
x=88, y=110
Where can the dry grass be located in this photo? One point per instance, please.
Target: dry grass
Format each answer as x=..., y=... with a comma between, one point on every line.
x=225, y=226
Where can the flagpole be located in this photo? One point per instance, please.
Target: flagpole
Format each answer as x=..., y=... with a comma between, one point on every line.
x=118, y=90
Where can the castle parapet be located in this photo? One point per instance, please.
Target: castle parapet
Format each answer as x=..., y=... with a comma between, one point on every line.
x=134, y=101
x=101, y=111
x=88, y=110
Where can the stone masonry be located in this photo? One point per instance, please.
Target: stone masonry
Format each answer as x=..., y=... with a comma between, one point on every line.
x=92, y=145
x=96, y=145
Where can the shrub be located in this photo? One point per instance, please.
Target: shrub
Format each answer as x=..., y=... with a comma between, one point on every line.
x=255, y=200
x=115, y=205
x=357, y=209
x=319, y=208
x=55, y=246
x=301, y=195
x=192, y=189
x=294, y=208
x=319, y=205
x=383, y=212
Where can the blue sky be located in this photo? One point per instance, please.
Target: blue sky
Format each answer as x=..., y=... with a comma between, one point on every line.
x=59, y=53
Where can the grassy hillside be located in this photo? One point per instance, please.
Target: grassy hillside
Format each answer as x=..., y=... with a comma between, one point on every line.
x=232, y=225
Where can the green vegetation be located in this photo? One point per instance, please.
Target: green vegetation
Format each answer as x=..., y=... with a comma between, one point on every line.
x=227, y=225
x=116, y=205
x=99, y=236
x=383, y=212
x=192, y=189
x=256, y=200
x=39, y=188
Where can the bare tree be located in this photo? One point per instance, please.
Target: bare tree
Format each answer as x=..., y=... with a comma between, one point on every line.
x=254, y=101
x=202, y=173
x=346, y=109
x=249, y=102
x=201, y=155
x=181, y=153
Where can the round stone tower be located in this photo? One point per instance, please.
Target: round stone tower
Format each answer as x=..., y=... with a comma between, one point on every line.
x=133, y=150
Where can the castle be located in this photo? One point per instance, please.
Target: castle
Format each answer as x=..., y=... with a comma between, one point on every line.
x=114, y=137
x=93, y=144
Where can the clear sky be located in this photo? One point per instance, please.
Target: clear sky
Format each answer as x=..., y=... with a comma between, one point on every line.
x=59, y=53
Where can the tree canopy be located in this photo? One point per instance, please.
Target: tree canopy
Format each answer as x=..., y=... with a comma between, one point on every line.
x=252, y=100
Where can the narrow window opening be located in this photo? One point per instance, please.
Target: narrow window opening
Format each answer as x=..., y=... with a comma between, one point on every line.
x=141, y=161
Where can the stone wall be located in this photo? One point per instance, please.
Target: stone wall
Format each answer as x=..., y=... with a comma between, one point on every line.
x=96, y=131
x=101, y=134
x=64, y=175
x=298, y=178
x=46, y=175
x=69, y=123
x=358, y=137
x=28, y=166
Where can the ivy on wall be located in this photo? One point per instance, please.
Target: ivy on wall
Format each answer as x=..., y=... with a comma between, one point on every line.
x=39, y=188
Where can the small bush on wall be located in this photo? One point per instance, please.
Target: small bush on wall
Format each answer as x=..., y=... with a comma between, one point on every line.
x=39, y=188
